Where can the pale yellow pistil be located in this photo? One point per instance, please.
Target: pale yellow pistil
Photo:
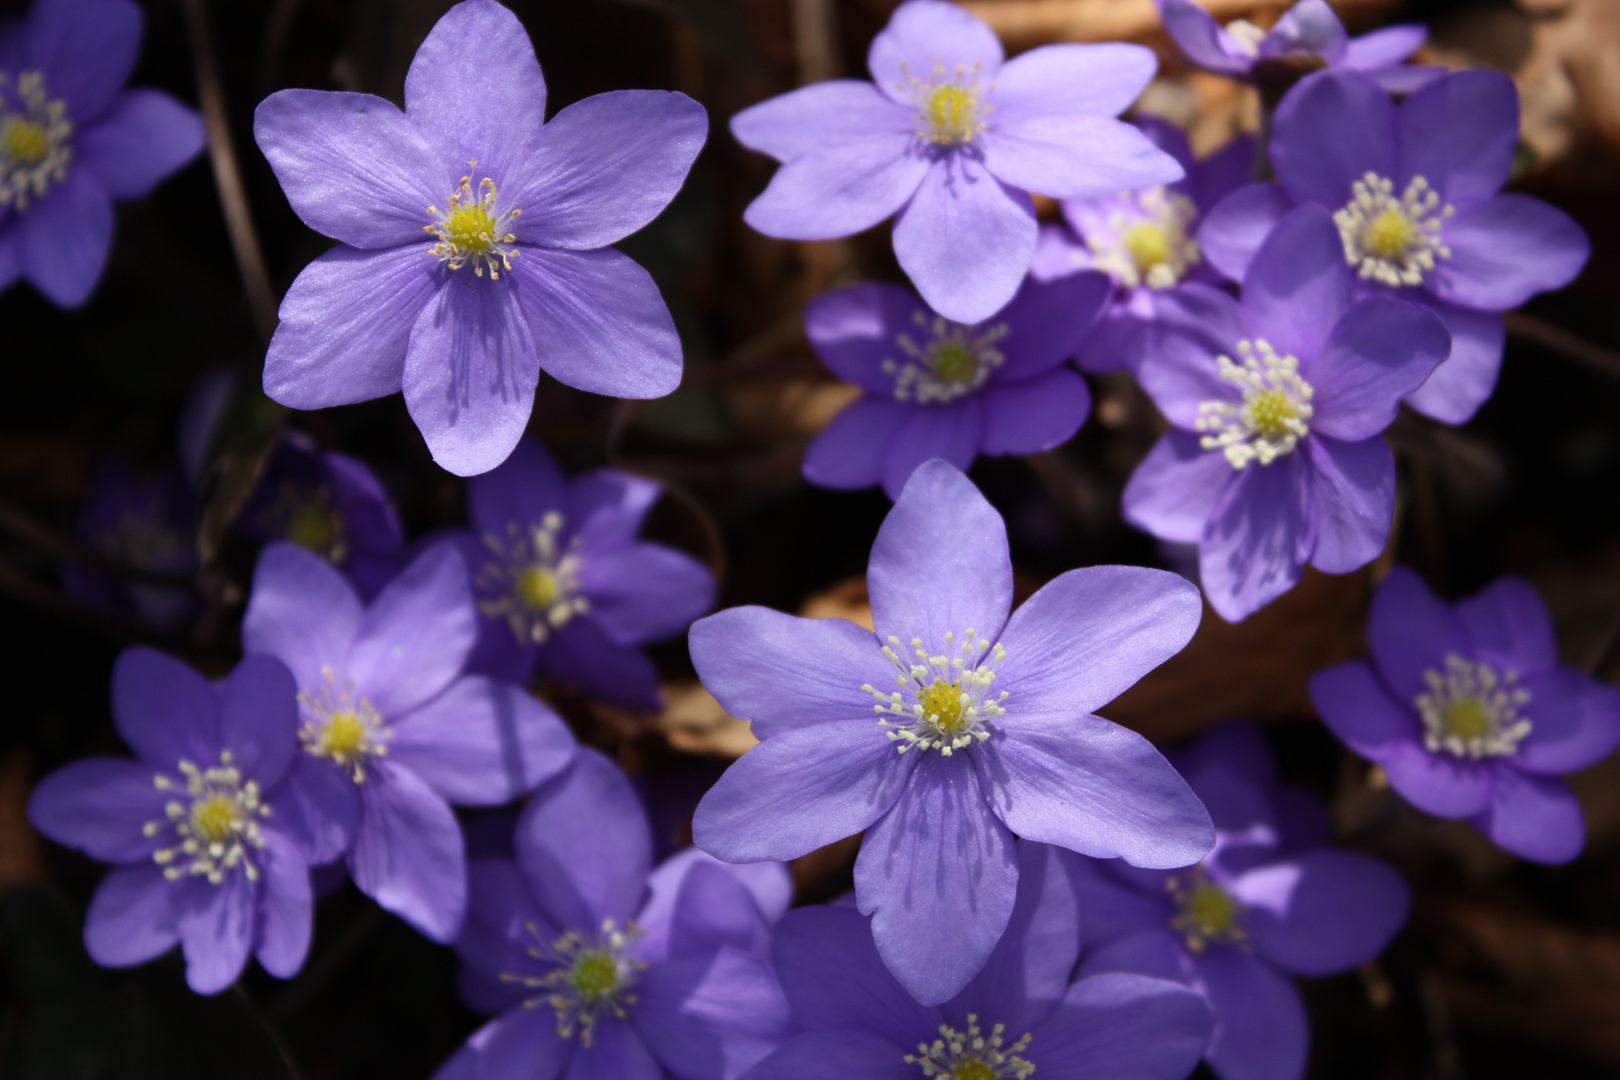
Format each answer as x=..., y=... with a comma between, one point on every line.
x=215, y=821
x=973, y=1054
x=35, y=141
x=341, y=727
x=1149, y=242
x=1148, y=245
x=1471, y=711
x=23, y=141
x=591, y=976
x=958, y=360
x=1393, y=240
x=1273, y=415
x=533, y=580
x=951, y=105
x=475, y=229
x=950, y=694
x=1206, y=914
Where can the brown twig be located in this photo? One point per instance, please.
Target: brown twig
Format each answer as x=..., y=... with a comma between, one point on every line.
x=1555, y=338
x=61, y=549
x=261, y=297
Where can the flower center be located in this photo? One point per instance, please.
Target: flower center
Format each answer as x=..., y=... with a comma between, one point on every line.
x=591, y=975
x=140, y=540
x=1205, y=913
x=474, y=230
x=533, y=582
x=1472, y=712
x=1273, y=415
x=958, y=360
x=315, y=525
x=1148, y=242
x=34, y=148
x=345, y=730
x=949, y=694
x=1247, y=35
x=950, y=106
x=973, y=1055
x=1395, y=241
x=215, y=822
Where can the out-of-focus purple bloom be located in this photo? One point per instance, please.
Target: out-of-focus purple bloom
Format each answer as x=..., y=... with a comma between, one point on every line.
x=1469, y=715
x=145, y=523
x=1308, y=36
x=1279, y=403
x=331, y=504
x=982, y=730
x=1144, y=240
x=951, y=139
x=562, y=583
x=72, y=140
x=938, y=389
x=203, y=855
x=474, y=240
x=392, y=732
x=1270, y=901
x=1019, y=1017
x=604, y=968
x=1415, y=190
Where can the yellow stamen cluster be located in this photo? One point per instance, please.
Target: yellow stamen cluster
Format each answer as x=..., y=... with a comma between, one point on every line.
x=951, y=105
x=957, y=361
x=474, y=230
x=1206, y=914
x=948, y=694
x=1148, y=242
x=533, y=582
x=1472, y=712
x=591, y=975
x=1273, y=415
x=1394, y=241
x=340, y=727
x=34, y=141
x=216, y=823
x=973, y=1055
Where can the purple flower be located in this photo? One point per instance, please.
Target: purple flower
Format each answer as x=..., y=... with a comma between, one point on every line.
x=72, y=140
x=331, y=504
x=1270, y=901
x=1144, y=239
x=604, y=968
x=1469, y=715
x=1415, y=192
x=564, y=586
x=145, y=523
x=982, y=730
x=391, y=731
x=1276, y=458
x=1019, y=1017
x=474, y=240
x=1308, y=36
x=935, y=388
x=951, y=139
x=202, y=851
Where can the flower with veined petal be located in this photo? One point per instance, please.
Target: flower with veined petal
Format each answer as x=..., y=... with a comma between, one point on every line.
x=956, y=726
x=206, y=851
x=1468, y=713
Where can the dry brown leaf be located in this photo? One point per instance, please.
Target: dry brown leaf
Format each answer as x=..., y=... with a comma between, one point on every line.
x=1257, y=667
x=1024, y=24
x=22, y=852
x=1523, y=975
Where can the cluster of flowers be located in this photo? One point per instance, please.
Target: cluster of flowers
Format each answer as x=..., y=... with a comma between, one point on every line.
x=1037, y=887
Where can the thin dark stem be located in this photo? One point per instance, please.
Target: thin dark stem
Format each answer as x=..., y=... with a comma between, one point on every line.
x=1556, y=339
x=60, y=548
x=261, y=297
